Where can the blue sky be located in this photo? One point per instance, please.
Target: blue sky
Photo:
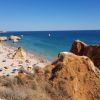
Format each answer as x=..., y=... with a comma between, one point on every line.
x=39, y=15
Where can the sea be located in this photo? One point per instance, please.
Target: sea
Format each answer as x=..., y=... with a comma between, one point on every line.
x=50, y=43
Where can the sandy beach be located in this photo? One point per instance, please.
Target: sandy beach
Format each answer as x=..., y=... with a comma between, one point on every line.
x=10, y=66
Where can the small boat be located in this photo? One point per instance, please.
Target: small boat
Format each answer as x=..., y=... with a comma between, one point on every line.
x=21, y=35
x=49, y=35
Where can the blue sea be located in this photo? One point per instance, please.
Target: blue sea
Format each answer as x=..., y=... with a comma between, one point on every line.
x=50, y=43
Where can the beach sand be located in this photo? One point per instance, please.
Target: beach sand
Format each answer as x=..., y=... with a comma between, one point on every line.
x=11, y=67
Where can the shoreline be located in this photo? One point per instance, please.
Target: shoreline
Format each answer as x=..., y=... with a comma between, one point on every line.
x=11, y=67
x=31, y=54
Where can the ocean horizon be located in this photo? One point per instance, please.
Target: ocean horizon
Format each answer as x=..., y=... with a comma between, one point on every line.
x=50, y=43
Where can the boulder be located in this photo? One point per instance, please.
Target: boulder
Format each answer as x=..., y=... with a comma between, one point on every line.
x=3, y=38
x=14, y=38
x=20, y=54
x=74, y=77
x=91, y=51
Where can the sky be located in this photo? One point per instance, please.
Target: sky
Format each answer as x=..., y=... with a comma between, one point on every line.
x=44, y=15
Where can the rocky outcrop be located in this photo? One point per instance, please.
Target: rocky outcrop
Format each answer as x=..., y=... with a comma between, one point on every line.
x=20, y=54
x=74, y=78
x=14, y=38
x=92, y=51
x=3, y=38
x=78, y=47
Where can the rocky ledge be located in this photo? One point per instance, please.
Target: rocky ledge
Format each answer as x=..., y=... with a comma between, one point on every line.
x=91, y=51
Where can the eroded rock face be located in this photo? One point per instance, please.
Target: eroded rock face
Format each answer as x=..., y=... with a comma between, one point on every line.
x=92, y=51
x=20, y=54
x=75, y=78
x=78, y=47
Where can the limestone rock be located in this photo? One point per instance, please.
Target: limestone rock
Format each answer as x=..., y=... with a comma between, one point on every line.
x=3, y=38
x=78, y=47
x=75, y=78
x=20, y=54
x=91, y=51
x=14, y=38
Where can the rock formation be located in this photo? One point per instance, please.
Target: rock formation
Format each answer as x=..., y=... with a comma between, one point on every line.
x=14, y=38
x=3, y=38
x=78, y=47
x=74, y=78
x=20, y=54
x=92, y=51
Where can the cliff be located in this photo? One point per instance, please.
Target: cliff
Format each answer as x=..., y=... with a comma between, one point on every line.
x=74, y=78
x=70, y=77
x=91, y=51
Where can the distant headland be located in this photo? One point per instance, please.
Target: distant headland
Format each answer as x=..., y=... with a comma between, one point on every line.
x=3, y=31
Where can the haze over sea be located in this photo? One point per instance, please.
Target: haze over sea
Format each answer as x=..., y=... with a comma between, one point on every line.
x=41, y=43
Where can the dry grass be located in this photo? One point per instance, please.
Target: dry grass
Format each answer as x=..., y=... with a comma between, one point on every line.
x=22, y=89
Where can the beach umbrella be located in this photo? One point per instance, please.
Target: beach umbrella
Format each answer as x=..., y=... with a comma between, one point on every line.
x=14, y=70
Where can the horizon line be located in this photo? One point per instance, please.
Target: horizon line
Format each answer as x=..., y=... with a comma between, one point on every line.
x=53, y=30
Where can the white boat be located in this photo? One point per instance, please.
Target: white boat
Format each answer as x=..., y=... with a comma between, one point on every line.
x=49, y=35
x=21, y=35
